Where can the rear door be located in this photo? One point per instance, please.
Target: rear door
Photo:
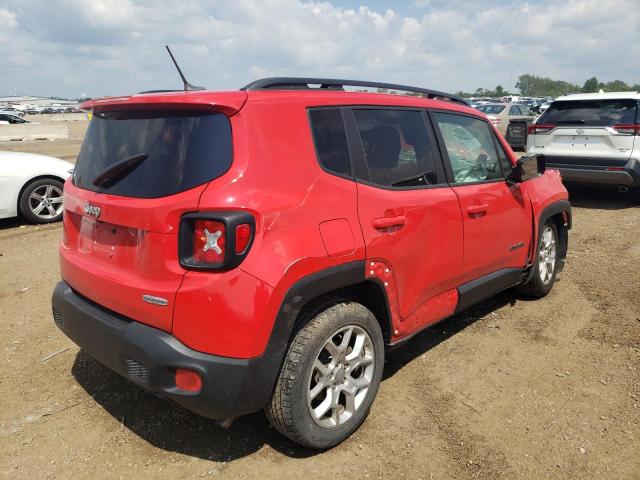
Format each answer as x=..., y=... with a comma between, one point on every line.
x=120, y=245
x=496, y=215
x=586, y=132
x=410, y=217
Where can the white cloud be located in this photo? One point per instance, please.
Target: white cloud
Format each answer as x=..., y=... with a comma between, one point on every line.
x=116, y=46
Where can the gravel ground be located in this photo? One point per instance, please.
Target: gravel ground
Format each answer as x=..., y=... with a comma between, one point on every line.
x=510, y=389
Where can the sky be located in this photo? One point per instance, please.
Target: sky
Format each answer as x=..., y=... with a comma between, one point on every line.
x=74, y=48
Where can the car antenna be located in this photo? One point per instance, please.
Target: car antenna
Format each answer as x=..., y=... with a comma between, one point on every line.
x=187, y=85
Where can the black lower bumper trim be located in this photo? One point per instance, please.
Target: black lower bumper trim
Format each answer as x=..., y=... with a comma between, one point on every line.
x=149, y=357
x=607, y=173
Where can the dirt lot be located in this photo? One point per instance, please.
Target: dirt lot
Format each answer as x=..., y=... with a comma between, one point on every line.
x=510, y=389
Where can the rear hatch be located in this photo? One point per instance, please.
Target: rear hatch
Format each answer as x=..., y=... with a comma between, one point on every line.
x=137, y=172
x=586, y=132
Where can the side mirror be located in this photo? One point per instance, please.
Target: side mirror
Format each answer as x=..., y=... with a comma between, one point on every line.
x=526, y=168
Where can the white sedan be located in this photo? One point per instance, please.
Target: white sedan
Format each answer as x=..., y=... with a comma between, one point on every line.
x=31, y=186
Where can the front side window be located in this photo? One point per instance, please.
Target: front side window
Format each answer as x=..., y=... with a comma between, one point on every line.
x=330, y=140
x=469, y=142
x=397, y=148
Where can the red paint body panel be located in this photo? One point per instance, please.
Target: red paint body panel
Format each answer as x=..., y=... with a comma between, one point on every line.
x=419, y=244
x=425, y=254
x=500, y=220
x=223, y=313
x=337, y=237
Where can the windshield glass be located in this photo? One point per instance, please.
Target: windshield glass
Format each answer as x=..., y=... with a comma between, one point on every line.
x=489, y=109
x=591, y=112
x=184, y=149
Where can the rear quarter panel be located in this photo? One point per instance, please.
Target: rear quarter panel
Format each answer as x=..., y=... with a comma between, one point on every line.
x=276, y=177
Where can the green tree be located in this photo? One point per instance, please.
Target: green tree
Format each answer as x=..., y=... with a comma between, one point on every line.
x=499, y=91
x=591, y=86
x=616, y=86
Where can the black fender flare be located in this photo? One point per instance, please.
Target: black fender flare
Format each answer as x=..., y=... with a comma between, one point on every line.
x=561, y=206
x=299, y=295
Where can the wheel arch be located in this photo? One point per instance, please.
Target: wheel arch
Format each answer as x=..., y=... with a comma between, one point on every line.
x=316, y=291
x=30, y=180
x=560, y=214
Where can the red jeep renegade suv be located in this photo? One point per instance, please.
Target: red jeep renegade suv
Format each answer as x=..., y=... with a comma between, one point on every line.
x=234, y=251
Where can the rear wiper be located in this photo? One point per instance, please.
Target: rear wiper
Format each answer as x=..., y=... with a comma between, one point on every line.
x=118, y=170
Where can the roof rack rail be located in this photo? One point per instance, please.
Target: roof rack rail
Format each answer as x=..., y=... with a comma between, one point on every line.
x=159, y=91
x=295, y=83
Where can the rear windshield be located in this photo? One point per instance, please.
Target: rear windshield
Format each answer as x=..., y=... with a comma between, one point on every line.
x=491, y=108
x=590, y=112
x=179, y=150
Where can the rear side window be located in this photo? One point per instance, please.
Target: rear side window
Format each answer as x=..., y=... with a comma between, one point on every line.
x=179, y=149
x=397, y=148
x=472, y=153
x=330, y=140
x=590, y=112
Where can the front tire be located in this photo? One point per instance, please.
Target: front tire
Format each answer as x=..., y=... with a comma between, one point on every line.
x=41, y=201
x=545, y=265
x=330, y=376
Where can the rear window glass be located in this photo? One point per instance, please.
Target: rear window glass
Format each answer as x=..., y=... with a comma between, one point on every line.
x=330, y=140
x=590, y=112
x=173, y=151
x=491, y=108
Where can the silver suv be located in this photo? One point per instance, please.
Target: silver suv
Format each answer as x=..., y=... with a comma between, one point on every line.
x=592, y=138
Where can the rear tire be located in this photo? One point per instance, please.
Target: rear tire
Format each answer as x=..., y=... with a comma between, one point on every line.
x=330, y=376
x=41, y=201
x=545, y=264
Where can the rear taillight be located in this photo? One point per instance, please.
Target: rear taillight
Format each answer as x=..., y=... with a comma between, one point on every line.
x=243, y=237
x=628, y=129
x=541, y=128
x=209, y=242
x=215, y=240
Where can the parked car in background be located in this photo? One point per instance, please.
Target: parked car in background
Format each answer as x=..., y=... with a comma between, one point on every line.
x=261, y=248
x=592, y=138
x=10, y=118
x=500, y=114
x=31, y=186
x=543, y=107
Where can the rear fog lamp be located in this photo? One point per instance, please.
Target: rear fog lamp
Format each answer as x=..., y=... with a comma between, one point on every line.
x=615, y=169
x=188, y=380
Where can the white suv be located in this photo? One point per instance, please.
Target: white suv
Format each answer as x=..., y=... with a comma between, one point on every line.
x=591, y=138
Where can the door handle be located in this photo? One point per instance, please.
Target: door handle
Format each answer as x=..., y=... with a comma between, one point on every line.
x=477, y=209
x=388, y=222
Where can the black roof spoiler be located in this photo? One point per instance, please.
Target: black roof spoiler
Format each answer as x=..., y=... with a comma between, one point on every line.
x=296, y=83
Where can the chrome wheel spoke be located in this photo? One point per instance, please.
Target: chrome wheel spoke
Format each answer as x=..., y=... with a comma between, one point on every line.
x=38, y=209
x=36, y=196
x=357, y=348
x=321, y=410
x=346, y=339
x=55, y=200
